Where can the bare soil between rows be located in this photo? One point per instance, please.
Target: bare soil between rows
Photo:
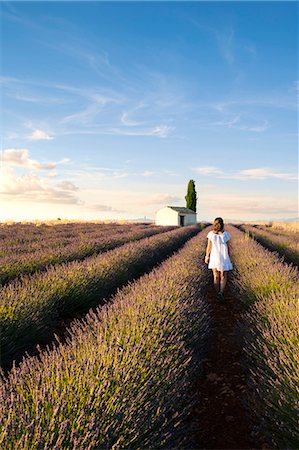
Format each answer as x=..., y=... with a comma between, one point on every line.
x=221, y=421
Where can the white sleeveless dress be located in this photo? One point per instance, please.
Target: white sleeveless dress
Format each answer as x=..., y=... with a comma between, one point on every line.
x=219, y=257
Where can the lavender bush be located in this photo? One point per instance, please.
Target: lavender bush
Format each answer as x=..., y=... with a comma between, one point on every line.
x=286, y=245
x=289, y=232
x=38, y=253
x=123, y=379
x=18, y=244
x=31, y=308
x=270, y=289
x=29, y=236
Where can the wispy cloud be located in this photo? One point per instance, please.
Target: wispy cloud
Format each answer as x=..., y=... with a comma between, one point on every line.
x=161, y=131
x=208, y=170
x=99, y=61
x=148, y=173
x=157, y=199
x=269, y=101
x=235, y=122
x=243, y=206
x=256, y=128
x=262, y=174
x=104, y=208
x=228, y=123
x=226, y=44
x=9, y=80
x=88, y=114
x=24, y=97
x=125, y=120
x=67, y=186
x=99, y=173
x=259, y=173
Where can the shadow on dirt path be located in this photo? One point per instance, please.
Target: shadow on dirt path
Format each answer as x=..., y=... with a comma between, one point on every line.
x=222, y=423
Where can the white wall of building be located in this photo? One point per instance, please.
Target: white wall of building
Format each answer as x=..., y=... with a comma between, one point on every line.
x=167, y=216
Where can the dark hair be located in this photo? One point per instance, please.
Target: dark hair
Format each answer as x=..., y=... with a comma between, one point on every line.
x=218, y=224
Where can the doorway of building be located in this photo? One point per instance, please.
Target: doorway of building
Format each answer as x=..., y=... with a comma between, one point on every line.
x=182, y=221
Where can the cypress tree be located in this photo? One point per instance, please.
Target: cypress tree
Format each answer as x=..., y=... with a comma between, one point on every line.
x=191, y=197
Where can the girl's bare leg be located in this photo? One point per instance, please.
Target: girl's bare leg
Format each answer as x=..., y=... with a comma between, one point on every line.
x=223, y=280
x=216, y=275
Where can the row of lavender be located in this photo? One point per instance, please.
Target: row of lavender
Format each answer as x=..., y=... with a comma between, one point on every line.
x=123, y=379
x=98, y=239
x=269, y=288
x=280, y=231
x=285, y=244
x=28, y=237
x=31, y=309
x=27, y=232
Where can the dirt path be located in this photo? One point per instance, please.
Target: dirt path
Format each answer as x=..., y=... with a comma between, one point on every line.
x=222, y=423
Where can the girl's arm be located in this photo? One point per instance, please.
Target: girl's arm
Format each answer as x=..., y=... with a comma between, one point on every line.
x=228, y=248
x=208, y=251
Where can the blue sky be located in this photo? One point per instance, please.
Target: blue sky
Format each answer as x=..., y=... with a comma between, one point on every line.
x=108, y=109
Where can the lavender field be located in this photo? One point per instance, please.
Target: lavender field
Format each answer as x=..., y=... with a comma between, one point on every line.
x=270, y=290
x=123, y=378
x=123, y=374
x=284, y=243
x=26, y=248
x=31, y=307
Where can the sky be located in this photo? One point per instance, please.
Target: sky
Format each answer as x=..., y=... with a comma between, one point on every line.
x=108, y=109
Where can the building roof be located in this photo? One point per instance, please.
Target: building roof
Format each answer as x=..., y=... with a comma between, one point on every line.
x=181, y=209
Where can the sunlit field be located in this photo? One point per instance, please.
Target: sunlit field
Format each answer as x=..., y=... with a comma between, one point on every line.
x=105, y=326
x=287, y=226
x=149, y=234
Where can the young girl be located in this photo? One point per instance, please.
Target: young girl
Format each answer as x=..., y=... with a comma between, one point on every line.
x=217, y=256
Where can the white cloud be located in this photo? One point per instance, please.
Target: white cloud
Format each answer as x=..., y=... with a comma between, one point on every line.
x=256, y=128
x=170, y=173
x=104, y=208
x=235, y=124
x=161, y=131
x=11, y=135
x=20, y=158
x=106, y=173
x=67, y=186
x=12, y=184
x=263, y=173
x=31, y=187
x=259, y=173
x=157, y=199
x=208, y=170
x=52, y=174
x=88, y=114
x=148, y=173
x=96, y=174
x=39, y=135
x=228, y=123
x=125, y=120
x=246, y=206
x=35, y=98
